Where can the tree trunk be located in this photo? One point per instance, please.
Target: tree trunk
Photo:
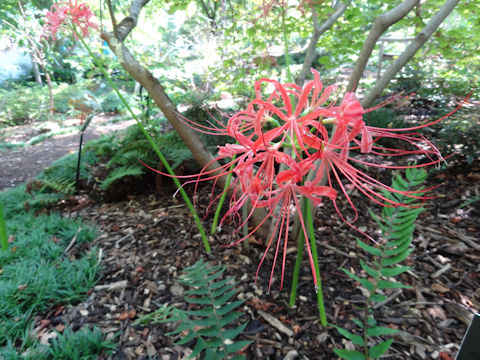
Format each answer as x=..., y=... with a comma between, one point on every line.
x=36, y=72
x=409, y=52
x=159, y=96
x=382, y=23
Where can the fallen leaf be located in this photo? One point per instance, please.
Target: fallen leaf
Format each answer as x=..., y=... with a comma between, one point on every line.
x=22, y=287
x=60, y=327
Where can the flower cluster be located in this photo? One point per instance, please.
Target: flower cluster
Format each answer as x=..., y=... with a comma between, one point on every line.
x=298, y=142
x=69, y=13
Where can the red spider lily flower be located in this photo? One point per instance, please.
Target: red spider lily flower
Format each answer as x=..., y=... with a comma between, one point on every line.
x=68, y=13
x=294, y=142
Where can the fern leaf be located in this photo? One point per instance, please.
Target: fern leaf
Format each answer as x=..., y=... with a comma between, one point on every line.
x=206, y=326
x=118, y=173
x=397, y=225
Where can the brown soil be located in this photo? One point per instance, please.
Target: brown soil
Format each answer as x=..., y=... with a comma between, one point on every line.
x=20, y=165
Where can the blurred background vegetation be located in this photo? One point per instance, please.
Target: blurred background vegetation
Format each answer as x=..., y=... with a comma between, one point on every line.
x=208, y=52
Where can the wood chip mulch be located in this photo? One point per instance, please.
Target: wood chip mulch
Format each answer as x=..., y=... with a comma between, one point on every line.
x=147, y=240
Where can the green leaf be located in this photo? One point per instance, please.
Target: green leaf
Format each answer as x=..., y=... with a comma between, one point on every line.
x=391, y=272
x=354, y=338
x=371, y=321
x=229, y=307
x=370, y=249
x=229, y=318
x=385, y=284
x=378, y=297
x=199, y=347
x=189, y=337
x=349, y=354
x=236, y=346
x=209, y=331
x=233, y=333
x=200, y=300
x=378, y=350
x=370, y=271
x=380, y=330
x=207, y=311
x=365, y=283
x=396, y=259
x=204, y=322
x=224, y=298
x=358, y=322
x=224, y=289
x=399, y=249
x=407, y=231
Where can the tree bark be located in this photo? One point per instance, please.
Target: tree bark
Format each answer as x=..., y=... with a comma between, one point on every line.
x=317, y=32
x=36, y=71
x=382, y=23
x=153, y=86
x=160, y=97
x=409, y=52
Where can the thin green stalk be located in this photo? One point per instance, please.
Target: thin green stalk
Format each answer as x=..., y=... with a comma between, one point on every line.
x=298, y=260
x=3, y=230
x=307, y=213
x=222, y=199
x=152, y=143
x=313, y=246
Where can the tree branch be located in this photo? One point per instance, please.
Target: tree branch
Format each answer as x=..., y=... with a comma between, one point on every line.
x=160, y=97
x=128, y=23
x=409, y=52
x=112, y=17
x=382, y=23
x=317, y=32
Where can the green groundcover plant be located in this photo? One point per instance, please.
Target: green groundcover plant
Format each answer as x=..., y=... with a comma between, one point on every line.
x=36, y=274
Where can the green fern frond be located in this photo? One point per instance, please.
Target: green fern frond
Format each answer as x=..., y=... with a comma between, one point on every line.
x=206, y=326
x=61, y=185
x=397, y=225
x=118, y=173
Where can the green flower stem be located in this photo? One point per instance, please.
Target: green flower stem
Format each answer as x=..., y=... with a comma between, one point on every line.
x=3, y=230
x=222, y=199
x=307, y=211
x=313, y=246
x=152, y=143
x=298, y=260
